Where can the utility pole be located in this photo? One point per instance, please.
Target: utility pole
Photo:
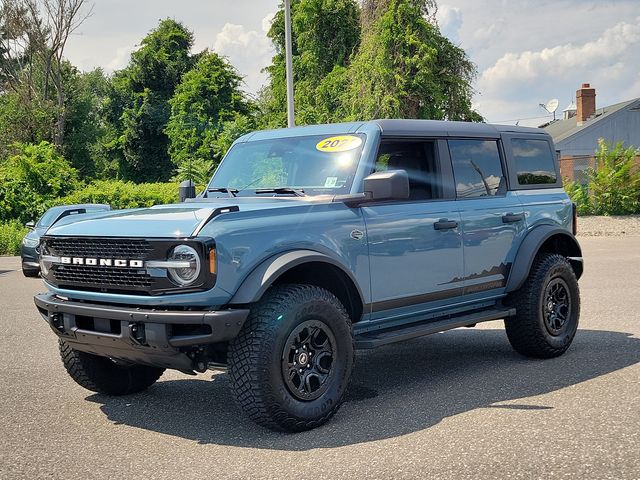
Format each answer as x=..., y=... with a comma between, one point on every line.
x=291, y=120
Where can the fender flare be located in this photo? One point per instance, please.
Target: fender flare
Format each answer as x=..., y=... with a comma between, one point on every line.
x=530, y=247
x=262, y=277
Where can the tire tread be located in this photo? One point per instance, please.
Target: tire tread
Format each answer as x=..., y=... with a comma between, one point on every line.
x=101, y=375
x=524, y=330
x=248, y=355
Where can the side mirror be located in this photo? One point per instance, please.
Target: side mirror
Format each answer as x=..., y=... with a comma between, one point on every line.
x=30, y=224
x=186, y=190
x=389, y=185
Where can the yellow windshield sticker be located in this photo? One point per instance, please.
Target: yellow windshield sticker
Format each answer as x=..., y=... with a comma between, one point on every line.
x=340, y=143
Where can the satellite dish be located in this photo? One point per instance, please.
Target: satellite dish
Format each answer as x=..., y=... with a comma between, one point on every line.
x=551, y=106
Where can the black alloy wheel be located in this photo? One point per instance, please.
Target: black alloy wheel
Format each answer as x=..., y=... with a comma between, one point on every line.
x=556, y=306
x=307, y=359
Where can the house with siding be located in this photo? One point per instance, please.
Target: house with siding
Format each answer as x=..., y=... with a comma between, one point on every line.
x=576, y=135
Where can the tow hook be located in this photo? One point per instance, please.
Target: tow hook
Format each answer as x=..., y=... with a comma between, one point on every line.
x=56, y=320
x=199, y=360
x=137, y=333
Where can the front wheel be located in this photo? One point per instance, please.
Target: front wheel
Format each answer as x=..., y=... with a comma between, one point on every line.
x=291, y=362
x=103, y=375
x=547, y=309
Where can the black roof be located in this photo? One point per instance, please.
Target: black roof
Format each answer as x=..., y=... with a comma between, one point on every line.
x=446, y=128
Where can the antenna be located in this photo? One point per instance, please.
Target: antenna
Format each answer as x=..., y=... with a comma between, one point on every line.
x=551, y=106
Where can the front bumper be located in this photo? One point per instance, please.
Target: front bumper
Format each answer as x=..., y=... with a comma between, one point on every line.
x=155, y=337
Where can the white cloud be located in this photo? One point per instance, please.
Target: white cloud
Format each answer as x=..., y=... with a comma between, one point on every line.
x=248, y=50
x=450, y=21
x=484, y=35
x=515, y=83
x=121, y=58
x=267, y=21
x=530, y=65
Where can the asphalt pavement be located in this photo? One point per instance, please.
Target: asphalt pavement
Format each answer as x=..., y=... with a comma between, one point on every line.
x=454, y=405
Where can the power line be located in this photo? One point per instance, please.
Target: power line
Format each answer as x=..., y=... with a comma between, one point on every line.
x=520, y=119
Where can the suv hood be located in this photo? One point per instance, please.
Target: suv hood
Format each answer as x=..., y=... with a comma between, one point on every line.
x=163, y=221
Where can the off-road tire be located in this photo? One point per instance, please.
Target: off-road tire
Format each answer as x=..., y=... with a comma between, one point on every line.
x=257, y=357
x=528, y=331
x=102, y=375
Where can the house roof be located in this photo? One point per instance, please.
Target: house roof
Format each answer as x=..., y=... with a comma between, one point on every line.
x=562, y=129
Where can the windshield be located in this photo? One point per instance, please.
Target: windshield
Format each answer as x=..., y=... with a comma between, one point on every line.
x=48, y=217
x=314, y=165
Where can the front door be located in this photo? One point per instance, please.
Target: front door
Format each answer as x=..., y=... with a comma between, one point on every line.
x=415, y=245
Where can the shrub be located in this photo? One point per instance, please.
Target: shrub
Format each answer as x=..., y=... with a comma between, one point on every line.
x=579, y=194
x=31, y=179
x=11, y=235
x=121, y=194
x=613, y=186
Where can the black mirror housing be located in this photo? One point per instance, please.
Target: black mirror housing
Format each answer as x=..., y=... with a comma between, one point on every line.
x=389, y=185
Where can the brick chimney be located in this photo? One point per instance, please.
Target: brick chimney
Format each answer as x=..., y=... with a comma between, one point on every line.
x=585, y=102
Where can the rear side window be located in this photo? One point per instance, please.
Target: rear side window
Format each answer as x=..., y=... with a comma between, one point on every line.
x=534, y=162
x=477, y=168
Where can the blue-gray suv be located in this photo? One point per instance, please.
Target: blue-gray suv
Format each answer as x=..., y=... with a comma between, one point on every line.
x=309, y=243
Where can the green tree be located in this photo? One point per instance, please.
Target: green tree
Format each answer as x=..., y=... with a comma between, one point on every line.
x=325, y=35
x=208, y=96
x=24, y=118
x=85, y=94
x=405, y=68
x=137, y=109
x=394, y=62
x=33, y=178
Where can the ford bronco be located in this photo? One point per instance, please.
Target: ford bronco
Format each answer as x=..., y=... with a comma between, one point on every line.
x=309, y=243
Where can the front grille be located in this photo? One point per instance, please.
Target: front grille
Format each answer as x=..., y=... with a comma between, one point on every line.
x=115, y=278
x=98, y=277
x=104, y=278
x=100, y=247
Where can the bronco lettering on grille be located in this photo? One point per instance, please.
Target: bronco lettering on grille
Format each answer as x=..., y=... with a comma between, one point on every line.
x=103, y=262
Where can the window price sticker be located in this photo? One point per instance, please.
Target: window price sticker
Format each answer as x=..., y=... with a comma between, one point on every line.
x=340, y=143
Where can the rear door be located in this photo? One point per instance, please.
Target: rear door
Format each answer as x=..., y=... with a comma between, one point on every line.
x=415, y=245
x=493, y=218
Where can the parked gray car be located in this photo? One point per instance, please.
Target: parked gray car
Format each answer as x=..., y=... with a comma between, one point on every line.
x=30, y=243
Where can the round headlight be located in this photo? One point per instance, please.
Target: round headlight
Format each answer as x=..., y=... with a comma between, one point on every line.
x=187, y=267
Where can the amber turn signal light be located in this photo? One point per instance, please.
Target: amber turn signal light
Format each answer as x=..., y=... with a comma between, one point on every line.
x=212, y=261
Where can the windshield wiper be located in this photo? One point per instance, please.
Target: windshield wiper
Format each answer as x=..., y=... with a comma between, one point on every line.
x=298, y=192
x=230, y=191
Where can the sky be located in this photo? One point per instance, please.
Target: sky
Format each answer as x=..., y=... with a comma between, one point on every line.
x=527, y=52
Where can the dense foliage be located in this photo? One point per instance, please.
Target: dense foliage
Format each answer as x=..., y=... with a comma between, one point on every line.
x=208, y=96
x=33, y=178
x=138, y=109
x=394, y=63
x=613, y=186
x=11, y=235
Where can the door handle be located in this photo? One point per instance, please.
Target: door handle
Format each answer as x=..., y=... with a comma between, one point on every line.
x=512, y=217
x=445, y=224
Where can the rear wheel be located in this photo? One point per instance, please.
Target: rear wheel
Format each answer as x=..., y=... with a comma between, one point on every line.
x=291, y=363
x=547, y=309
x=103, y=375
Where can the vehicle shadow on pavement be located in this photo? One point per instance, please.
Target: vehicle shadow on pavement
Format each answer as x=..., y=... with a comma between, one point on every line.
x=395, y=390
